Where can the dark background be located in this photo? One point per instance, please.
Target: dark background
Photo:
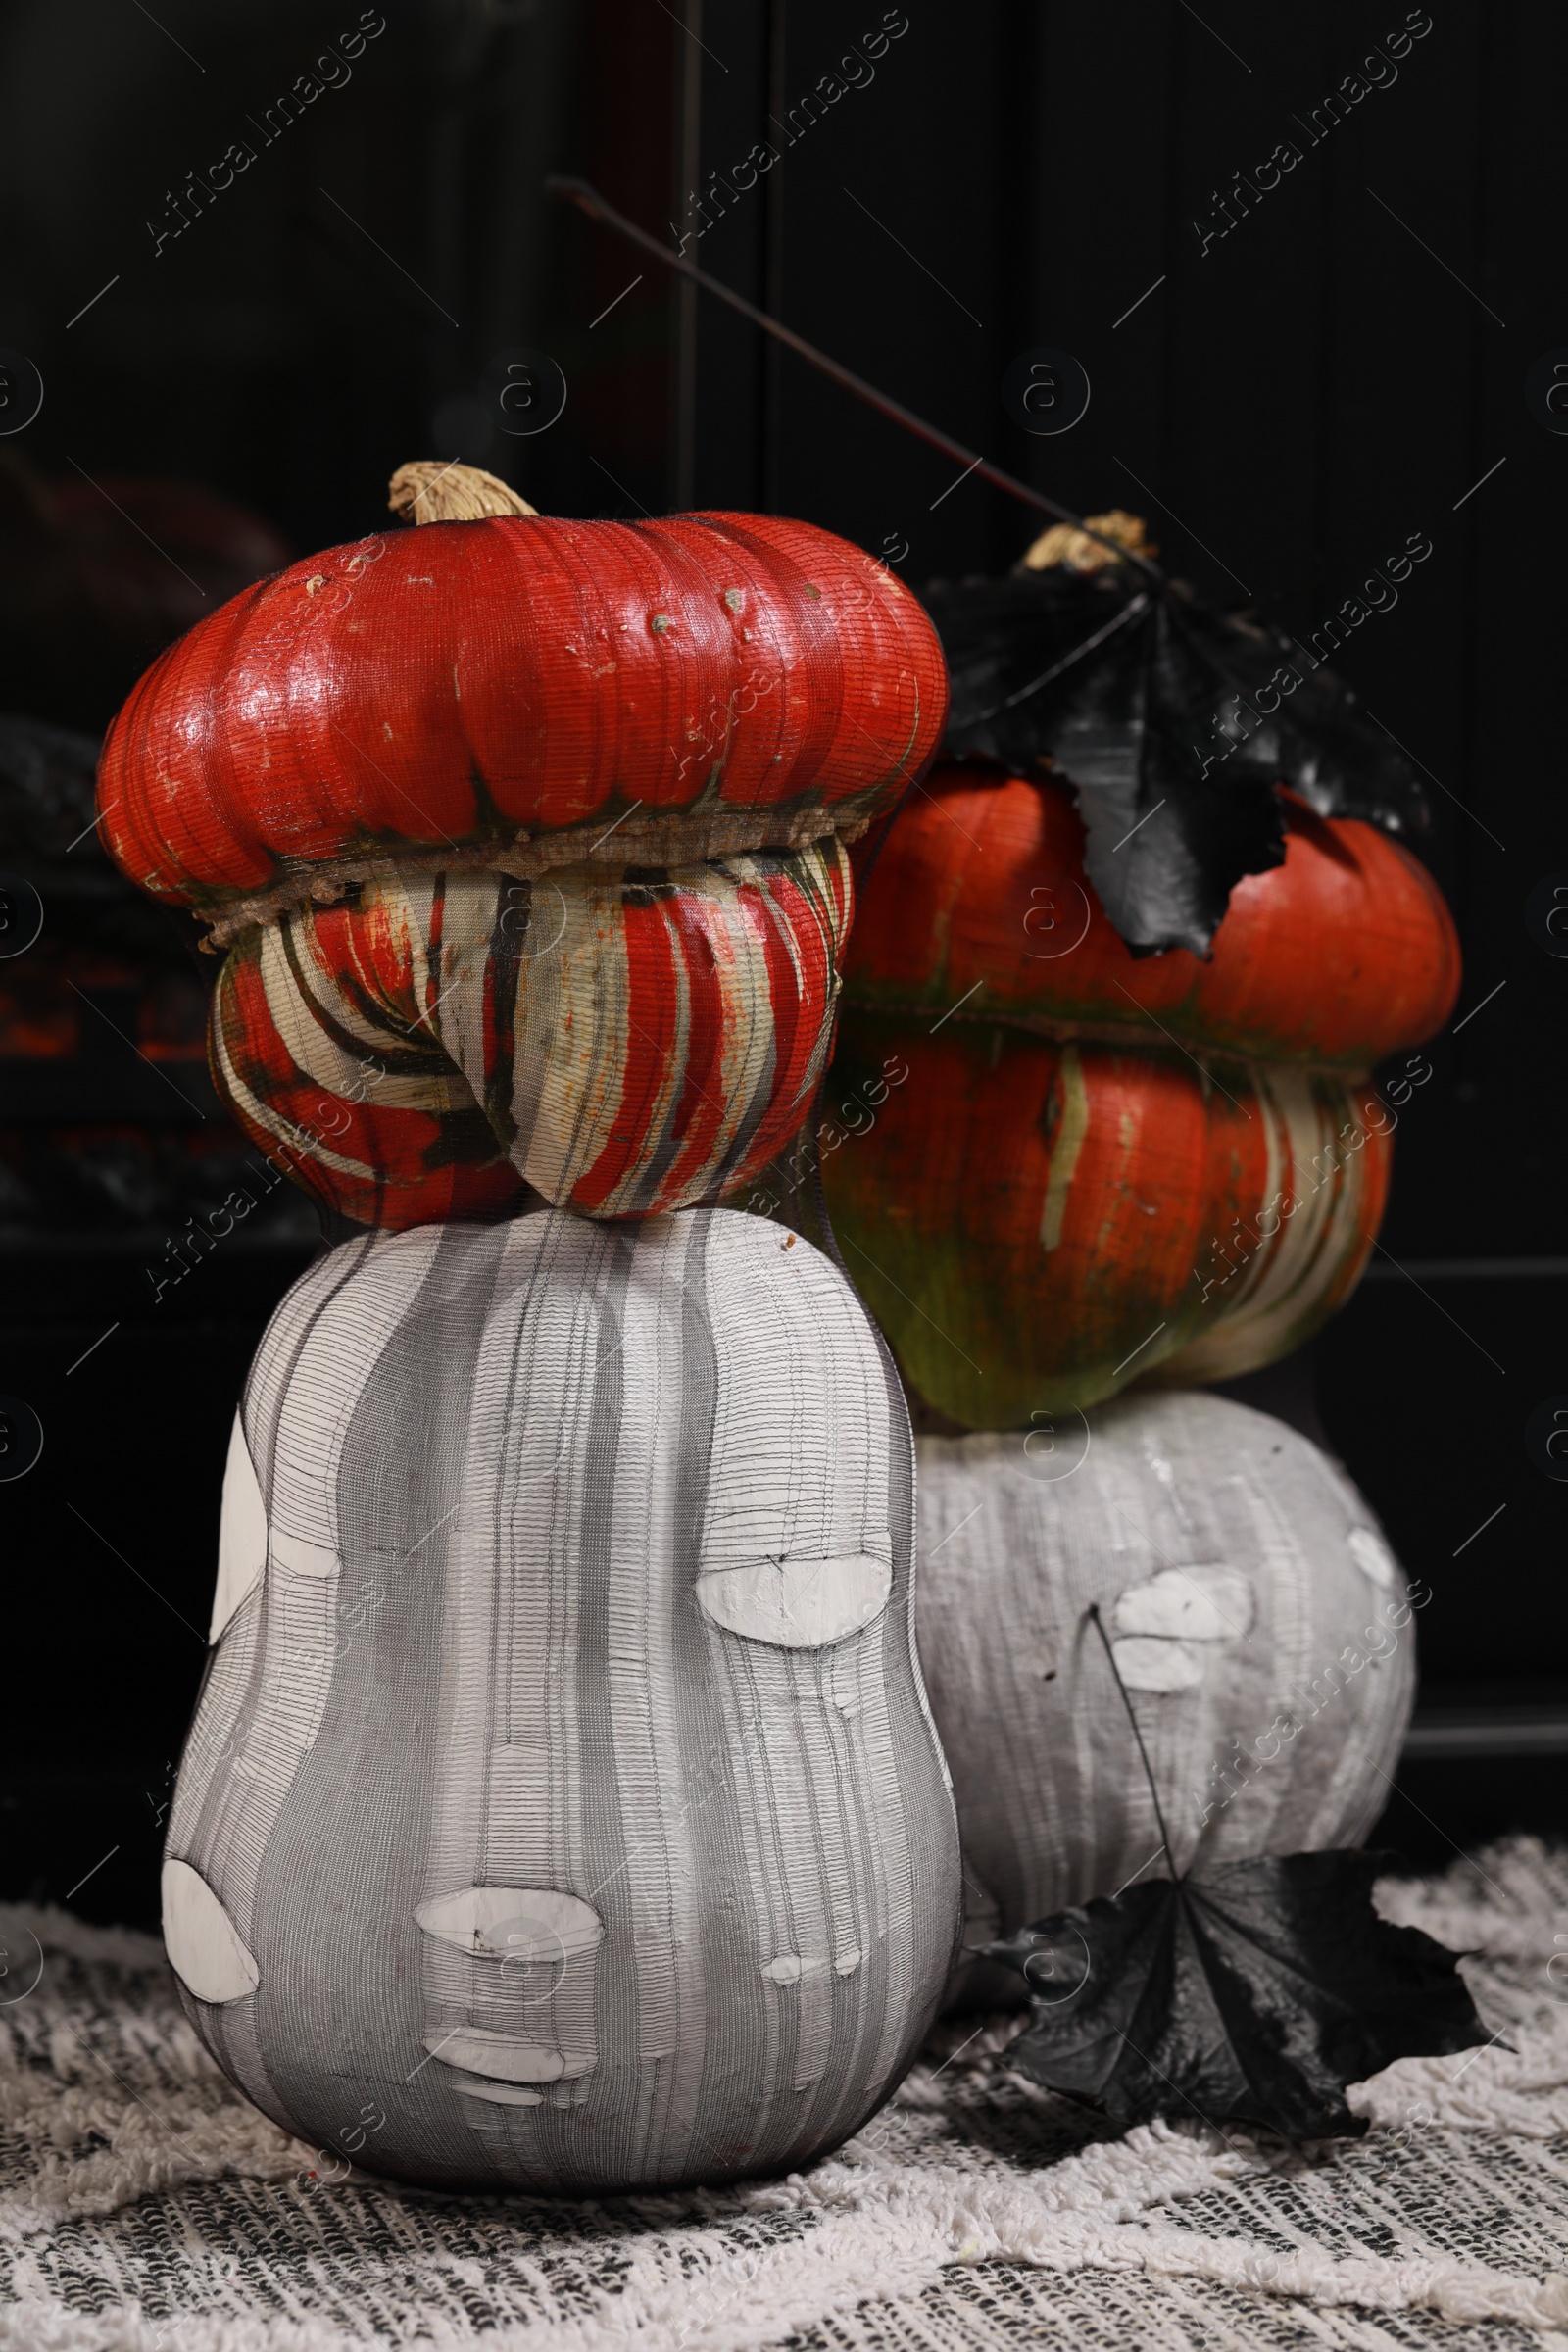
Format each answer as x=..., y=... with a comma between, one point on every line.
x=1333, y=376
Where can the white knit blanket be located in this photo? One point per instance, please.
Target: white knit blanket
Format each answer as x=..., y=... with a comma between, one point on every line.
x=143, y=2205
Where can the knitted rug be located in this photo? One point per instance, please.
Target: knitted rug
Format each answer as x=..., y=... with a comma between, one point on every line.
x=144, y=2206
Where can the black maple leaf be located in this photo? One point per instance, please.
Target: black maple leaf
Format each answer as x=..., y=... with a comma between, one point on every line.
x=1255, y=1989
x=1169, y=722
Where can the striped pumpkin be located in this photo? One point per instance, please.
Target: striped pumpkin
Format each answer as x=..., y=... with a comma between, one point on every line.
x=563, y=1810
x=1034, y=1224
x=1261, y=1627
x=623, y=1042
x=1103, y=1167
x=519, y=692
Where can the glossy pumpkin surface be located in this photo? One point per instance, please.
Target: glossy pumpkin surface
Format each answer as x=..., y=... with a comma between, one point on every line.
x=623, y=1043
x=979, y=895
x=471, y=683
x=1035, y=1223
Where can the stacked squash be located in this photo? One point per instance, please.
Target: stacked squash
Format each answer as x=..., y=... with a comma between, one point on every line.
x=530, y=839
x=1101, y=1168
x=563, y=1809
x=1104, y=1166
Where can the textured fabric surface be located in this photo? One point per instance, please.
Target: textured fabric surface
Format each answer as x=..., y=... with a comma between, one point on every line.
x=145, y=2207
x=627, y=1042
x=562, y=1809
x=1256, y=1615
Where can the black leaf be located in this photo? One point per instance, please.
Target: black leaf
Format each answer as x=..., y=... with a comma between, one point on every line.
x=1256, y=1991
x=1172, y=722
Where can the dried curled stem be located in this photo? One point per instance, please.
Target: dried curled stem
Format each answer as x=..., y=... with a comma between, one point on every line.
x=1065, y=544
x=430, y=490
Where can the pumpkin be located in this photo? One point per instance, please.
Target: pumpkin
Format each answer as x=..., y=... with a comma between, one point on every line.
x=563, y=1809
x=529, y=840
x=1036, y=1224
x=1175, y=723
x=517, y=691
x=1257, y=1620
x=1104, y=1166
x=625, y=1042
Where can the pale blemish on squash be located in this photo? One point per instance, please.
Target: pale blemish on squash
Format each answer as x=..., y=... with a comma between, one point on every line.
x=796, y=1603
x=1071, y=1129
x=205, y=1947
x=1147, y=1663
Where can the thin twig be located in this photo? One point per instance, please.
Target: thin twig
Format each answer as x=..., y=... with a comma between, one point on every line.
x=587, y=199
x=1149, y=1773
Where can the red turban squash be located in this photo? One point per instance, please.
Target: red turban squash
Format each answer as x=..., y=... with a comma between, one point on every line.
x=625, y=1042
x=467, y=693
x=417, y=732
x=1100, y=1164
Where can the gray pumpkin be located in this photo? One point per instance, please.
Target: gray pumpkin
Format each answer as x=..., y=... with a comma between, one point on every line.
x=1261, y=1627
x=563, y=1809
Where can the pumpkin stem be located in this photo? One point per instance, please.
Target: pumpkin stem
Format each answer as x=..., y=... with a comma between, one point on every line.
x=1065, y=546
x=430, y=491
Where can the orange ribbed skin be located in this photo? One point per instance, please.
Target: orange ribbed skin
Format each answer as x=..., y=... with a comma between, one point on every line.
x=464, y=682
x=1100, y=1165
x=1341, y=956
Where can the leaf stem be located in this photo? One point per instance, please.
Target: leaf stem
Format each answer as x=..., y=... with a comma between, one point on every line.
x=587, y=199
x=1126, y=1700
